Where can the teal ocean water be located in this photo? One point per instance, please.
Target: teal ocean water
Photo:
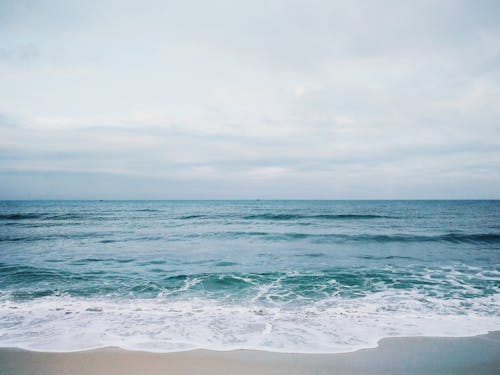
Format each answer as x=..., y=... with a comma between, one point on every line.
x=293, y=276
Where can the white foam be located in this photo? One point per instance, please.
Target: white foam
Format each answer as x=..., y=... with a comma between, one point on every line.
x=162, y=325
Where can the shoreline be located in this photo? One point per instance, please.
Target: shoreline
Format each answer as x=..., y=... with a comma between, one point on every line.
x=403, y=355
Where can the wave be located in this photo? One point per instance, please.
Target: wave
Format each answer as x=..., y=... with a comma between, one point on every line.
x=265, y=216
x=352, y=216
x=329, y=325
x=71, y=216
x=455, y=238
x=100, y=278
x=376, y=238
x=388, y=257
x=27, y=278
x=312, y=255
x=270, y=216
x=190, y=217
x=448, y=237
x=26, y=216
x=49, y=216
x=225, y=264
x=54, y=236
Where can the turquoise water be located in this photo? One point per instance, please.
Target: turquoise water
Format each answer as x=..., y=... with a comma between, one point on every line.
x=300, y=276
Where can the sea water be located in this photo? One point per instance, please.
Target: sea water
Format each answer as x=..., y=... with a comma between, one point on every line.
x=291, y=276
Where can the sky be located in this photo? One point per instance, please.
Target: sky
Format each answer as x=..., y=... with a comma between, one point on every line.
x=250, y=99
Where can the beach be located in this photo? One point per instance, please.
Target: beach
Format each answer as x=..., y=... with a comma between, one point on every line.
x=415, y=355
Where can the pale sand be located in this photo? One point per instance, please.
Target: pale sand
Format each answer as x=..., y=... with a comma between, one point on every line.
x=472, y=355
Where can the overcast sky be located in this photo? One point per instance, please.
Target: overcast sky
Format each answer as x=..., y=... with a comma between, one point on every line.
x=249, y=99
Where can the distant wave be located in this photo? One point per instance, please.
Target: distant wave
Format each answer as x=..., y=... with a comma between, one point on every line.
x=265, y=216
x=351, y=216
x=49, y=216
x=320, y=216
x=388, y=257
x=457, y=238
x=54, y=236
x=19, y=216
x=379, y=238
x=189, y=217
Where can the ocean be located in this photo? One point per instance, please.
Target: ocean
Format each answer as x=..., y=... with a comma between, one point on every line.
x=286, y=276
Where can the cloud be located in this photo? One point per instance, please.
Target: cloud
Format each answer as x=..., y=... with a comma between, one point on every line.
x=326, y=99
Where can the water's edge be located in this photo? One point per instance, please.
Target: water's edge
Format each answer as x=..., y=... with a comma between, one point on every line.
x=377, y=344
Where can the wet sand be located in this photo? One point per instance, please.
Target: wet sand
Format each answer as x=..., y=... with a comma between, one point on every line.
x=413, y=355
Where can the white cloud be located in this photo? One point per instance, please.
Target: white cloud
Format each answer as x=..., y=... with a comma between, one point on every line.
x=322, y=99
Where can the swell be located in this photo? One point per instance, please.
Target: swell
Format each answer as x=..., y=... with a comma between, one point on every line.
x=269, y=216
x=102, y=237
x=52, y=237
x=457, y=238
x=265, y=216
x=287, y=217
x=49, y=216
x=26, y=216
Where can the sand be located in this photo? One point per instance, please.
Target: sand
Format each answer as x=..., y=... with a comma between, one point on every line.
x=415, y=355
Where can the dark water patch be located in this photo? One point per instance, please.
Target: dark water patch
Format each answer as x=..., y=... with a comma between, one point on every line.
x=85, y=261
x=95, y=289
x=176, y=282
x=388, y=257
x=26, y=275
x=92, y=260
x=157, y=270
x=216, y=282
x=109, y=241
x=55, y=237
x=124, y=260
x=225, y=264
x=41, y=224
x=181, y=277
x=19, y=216
x=273, y=217
x=312, y=255
x=131, y=239
x=147, y=238
x=351, y=217
x=270, y=216
x=69, y=216
x=146, y=287
x=189, y=217
x=54, y=216
x=14, y=239
x=25, y=295
x=243, y=234
x=148, y=210
x=201, y=261
x=451, y=238
x=294, y=236
x=471, y=238
x=153, y=262
x=95, y=273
